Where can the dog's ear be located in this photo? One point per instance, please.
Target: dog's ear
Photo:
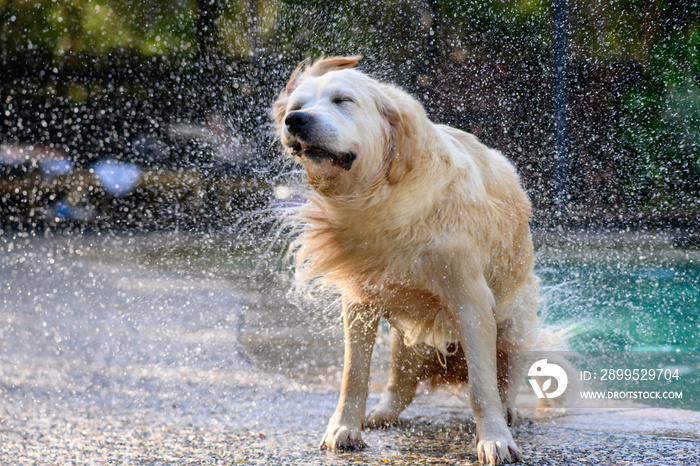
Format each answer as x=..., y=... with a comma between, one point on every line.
x=324, y=65
x=280, y=105
x=403, y=116
x=292, y=84
x=279, y=108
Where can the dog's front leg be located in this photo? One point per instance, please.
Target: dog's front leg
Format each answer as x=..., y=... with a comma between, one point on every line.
x=495, y=443
x=345, y=426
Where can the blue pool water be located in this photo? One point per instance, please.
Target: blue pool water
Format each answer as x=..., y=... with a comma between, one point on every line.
x=622, y=294
x=627, y=301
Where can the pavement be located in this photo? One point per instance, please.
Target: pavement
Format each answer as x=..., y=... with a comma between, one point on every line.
x=175, y=349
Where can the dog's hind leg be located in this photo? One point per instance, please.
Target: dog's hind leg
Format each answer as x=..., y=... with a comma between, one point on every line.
x=406, y=364
x=511, y=370
x=516, y=338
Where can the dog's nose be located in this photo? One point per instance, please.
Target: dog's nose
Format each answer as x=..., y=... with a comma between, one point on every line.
x=297, y=121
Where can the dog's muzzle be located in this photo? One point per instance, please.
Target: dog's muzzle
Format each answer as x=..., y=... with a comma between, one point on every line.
x=298, y=123
x=301, y=125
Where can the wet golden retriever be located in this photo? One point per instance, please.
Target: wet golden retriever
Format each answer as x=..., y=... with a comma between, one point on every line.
x=419, y=223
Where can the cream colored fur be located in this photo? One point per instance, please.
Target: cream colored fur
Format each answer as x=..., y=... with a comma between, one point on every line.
x=428, y=228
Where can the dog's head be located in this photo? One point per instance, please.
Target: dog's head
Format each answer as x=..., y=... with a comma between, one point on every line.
x=348, y=130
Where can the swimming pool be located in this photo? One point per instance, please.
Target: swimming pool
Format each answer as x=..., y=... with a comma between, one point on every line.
x=622, y=292
x=622, y=295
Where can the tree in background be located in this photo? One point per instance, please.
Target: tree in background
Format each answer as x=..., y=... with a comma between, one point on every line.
x=85, y=73
x=661, y=131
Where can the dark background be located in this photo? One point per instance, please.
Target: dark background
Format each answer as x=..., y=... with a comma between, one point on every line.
x=91, y=80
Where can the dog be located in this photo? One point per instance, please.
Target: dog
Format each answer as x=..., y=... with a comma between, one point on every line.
x=423, y=225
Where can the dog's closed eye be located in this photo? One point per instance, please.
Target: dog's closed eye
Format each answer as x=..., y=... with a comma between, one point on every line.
x=342, y=99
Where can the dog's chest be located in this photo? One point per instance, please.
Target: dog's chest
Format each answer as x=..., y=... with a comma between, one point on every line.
x=418, y=314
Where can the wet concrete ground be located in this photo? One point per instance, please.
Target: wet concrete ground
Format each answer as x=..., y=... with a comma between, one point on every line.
x=116, y=350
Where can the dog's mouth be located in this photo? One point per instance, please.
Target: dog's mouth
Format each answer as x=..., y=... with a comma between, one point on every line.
x=320, y=155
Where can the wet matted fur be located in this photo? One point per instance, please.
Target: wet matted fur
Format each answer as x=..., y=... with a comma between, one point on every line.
x=419, y=223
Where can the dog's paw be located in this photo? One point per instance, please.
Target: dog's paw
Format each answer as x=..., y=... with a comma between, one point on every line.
x=500, y=451
x=514, y=416
x=382, y=415
x=342, y=438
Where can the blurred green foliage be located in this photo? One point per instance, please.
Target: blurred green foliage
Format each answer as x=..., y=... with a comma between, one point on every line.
x=60, y=27
x=661, y=129
x=498, y=28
